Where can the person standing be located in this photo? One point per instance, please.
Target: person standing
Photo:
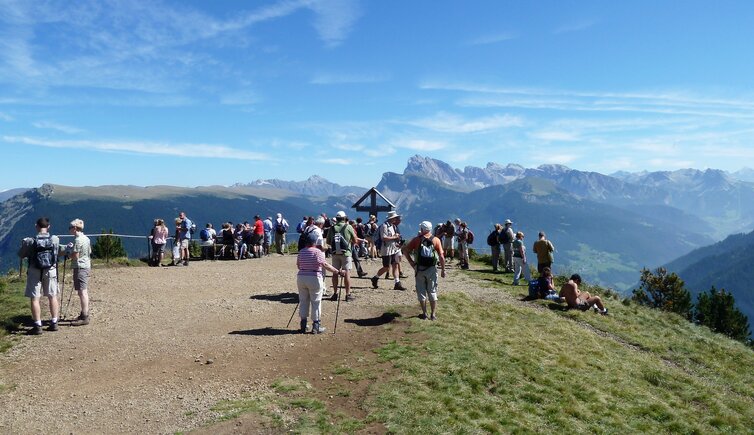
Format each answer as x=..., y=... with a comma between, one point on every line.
x=462, y=235
x=493, y=241
x=41, y=275
x=424, y=252
x=506, y=241
x=342, y=237
x=390, y=247
x=448, y=242
x=281, y=227
x=80, y=251
x=187, y=229
x=519, y=259
x=310, y=281
x=159, y=239
x=268, y=228
x=544, y=249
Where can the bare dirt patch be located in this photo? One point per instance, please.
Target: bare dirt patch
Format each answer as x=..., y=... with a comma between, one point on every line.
x=167, y=344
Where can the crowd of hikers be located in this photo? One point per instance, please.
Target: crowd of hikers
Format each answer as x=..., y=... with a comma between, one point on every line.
x=346, y=242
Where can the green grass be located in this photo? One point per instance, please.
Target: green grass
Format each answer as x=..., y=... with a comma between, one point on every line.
x=13, y=307
x=510, y=368
x=531, y=367
x=291, y=405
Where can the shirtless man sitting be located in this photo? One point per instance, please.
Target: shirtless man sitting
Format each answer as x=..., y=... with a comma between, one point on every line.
x=578, y=299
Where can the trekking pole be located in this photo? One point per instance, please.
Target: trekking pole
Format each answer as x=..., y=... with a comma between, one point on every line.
x=20, y=267
x=292, y=314
x=70, y=295
x=337, y=310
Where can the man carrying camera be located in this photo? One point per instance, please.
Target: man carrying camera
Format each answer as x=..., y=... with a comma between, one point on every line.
x=390, y=247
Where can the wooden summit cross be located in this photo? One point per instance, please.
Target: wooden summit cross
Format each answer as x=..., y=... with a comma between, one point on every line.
x=373, y=208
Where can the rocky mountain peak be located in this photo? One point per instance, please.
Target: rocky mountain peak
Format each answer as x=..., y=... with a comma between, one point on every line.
x=434, y=169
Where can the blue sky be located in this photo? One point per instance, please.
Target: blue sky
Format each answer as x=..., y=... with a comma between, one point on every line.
x=196, y=93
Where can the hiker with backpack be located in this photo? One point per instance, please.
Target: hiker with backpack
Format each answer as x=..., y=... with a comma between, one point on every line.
x=493, y=241
x=80, y=251
x=281, y=227
x=465, y=236
x=41, y=274
x=449, y=239
x=267, y=241
x=341, y=239
x=387, y=240
x=424, y=252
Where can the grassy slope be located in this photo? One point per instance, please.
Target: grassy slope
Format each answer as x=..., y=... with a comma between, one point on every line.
x=13, y=307
x=513, y=366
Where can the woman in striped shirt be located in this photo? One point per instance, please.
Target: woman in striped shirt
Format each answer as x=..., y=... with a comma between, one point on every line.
x=310, y=281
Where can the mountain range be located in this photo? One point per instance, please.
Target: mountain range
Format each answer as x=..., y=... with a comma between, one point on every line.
x=606, y=227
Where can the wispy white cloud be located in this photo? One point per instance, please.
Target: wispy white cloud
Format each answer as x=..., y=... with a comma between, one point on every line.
x=57, y=127
x=335, y=19
x=670, y=163
x=420, y=145
x=144, y=148
x=554, y=136
x=336, y=79
x=348, y=146
x=575, y=26
x=5, y=117
x=450, y=123
x=240, y=98
x=561, y=159
x=337, y=161
x=492, y=39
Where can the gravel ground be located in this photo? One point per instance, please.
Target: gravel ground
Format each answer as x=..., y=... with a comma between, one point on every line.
x=166, y=344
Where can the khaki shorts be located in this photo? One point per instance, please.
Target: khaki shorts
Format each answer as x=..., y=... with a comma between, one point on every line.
x=81, y=279
x=341, y=262
x=39, y=283
x=184, y=243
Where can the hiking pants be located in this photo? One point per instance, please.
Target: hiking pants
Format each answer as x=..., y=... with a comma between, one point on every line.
x=310, y=290
x=519, y=266
x=508, y=249
x=495, y=257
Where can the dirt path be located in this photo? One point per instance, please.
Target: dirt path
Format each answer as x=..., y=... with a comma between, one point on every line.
x=165, y=345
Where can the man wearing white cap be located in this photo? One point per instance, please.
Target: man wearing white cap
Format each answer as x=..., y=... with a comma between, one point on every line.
x=506, y=240
x=281, y=227
x=424, y=252
x=341, y=238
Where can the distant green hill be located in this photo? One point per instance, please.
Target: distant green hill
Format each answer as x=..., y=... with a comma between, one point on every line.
x=725, y=265
x=131, y=210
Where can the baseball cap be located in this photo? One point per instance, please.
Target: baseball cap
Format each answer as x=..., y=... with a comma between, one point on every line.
x=425, y=226
x=340, y=214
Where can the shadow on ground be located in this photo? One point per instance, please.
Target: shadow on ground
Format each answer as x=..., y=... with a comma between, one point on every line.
x=383, y=319
x=265, y=332
x=285, y=298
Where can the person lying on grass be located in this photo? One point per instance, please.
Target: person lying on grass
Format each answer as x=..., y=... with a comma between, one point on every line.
x=578, y=299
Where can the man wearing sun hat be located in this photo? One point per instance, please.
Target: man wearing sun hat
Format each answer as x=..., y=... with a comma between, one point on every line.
x=341, y=252
x=390, y=247
x=506, y=240
x=424, y=252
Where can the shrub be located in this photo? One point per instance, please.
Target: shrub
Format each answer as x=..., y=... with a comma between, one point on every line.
x=717, y=310
x=664, y=291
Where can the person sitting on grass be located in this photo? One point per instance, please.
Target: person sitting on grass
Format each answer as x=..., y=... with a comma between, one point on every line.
x=578, y=299
x=546, y=286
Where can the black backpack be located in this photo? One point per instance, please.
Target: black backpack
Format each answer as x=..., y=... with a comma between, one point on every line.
x=43, y=256
x=492, y=238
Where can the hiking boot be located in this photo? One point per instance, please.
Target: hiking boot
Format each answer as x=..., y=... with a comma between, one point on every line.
x=185, y=262
x=317, y=329
x=334, y=296
x=35, y=330
x=303, y=326
x=81, y=320
x=53, y=326
x=387, y=275
x=432, y=317
x=399, y=286
x=349, y=298
x=402, y=275
x=363, y=274
x=423, y=316
x=604, y=313
x=374, y=281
